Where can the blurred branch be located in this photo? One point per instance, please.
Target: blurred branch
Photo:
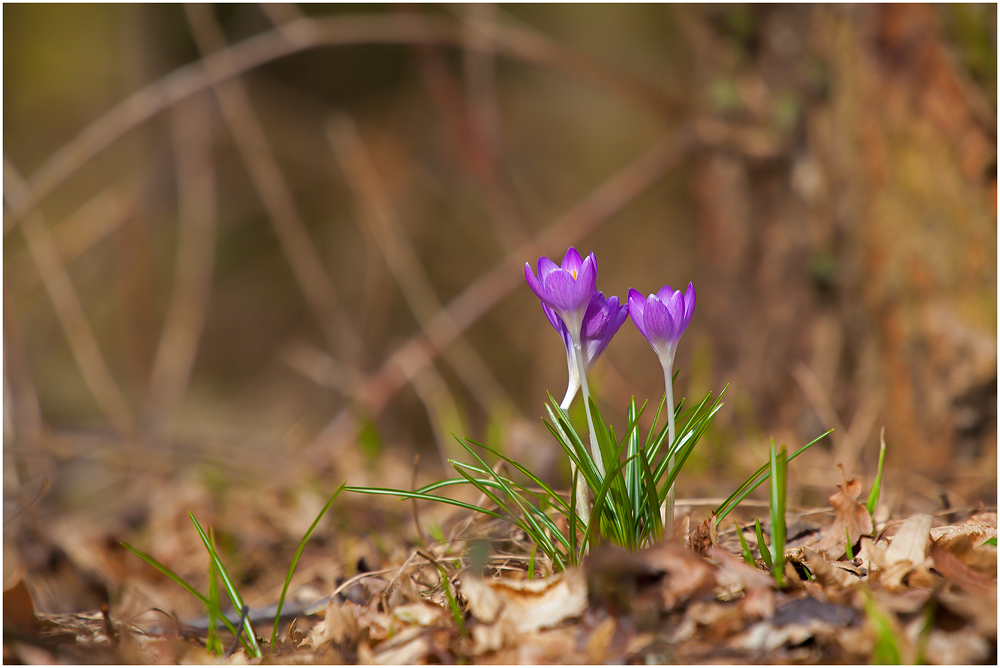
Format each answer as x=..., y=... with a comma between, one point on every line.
x=69, y=311
x=75, y=235
x=193, y=135
x=274, y=192
x=22, y=412
x=403, y=261
x=524, y=43
x=465, y=117
x=479, y=297
x=296, y=36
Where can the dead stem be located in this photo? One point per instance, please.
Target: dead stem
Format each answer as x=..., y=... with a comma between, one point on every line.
x=382, y=221
x=83, y=343
x=274, y=193
x=289, y=38
x=196, y=218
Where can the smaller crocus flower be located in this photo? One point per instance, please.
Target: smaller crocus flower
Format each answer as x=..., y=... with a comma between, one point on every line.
x=566, y=289
x=662, y=318
x=601, y=321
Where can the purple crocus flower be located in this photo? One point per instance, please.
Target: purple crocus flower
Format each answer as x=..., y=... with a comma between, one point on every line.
x=601, y=321
x=566, y=289
x=662, y=318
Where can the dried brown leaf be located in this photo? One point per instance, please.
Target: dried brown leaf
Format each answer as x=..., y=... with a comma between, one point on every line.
x=850, y=518
x=599, y=642
x=337, y=627
x=704, y=536
x=666, y=573
x=952, y=567
x=910, y=542
x=526, y=606
x=831, y=573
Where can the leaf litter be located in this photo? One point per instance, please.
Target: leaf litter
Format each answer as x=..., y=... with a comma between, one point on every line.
x=916, y=588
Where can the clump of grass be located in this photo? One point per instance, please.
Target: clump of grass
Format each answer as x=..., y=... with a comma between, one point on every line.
x=243, y=631
x=628, y=495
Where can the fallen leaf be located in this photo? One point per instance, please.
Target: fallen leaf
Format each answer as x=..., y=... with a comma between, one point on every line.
x=704, y=536
x=667, y=573
x=850, y=518
x=831, y=573
x=952, y=568
x=910, y=542
x=529, y=605
x=600, y=641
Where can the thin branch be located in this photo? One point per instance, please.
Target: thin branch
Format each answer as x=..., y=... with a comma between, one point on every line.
x=75, y=235
x=274, y=193
x=197, y=210
x=86, y=351
x=403, y=260
x=296, y=36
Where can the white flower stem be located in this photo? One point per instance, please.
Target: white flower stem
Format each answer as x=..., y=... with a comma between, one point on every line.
x=582, y=502
x=668, y=502
x=594, y=447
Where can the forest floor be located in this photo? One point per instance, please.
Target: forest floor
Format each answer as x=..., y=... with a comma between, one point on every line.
x=369, y=587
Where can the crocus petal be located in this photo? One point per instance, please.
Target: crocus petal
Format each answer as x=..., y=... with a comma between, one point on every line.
x=637, y=307
x=664, y=293
x=675, y=305
x=572, y=261
x=689, y=297
x=545, y=267
x=533, y=282
x=659, y=323
x=563, y=294
x=587, y=275
x=559, y=326
x=601, y=328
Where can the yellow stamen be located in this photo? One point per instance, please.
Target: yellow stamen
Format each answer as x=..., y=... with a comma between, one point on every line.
x=574, y=275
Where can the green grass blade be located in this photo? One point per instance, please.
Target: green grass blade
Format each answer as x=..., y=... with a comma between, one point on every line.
x=779, y=472
x=213, y=642
x=517, y=499
x=456, y=611
x=876, y=490
x=747, y=554
x=526, y=522
x=633, y=476
x=528, y=474
x=234, y=594
x=573, y=519
x=848, y=546
x=169, y=573
x=765, y=554
x=651, y=530
x=295, y=561
x=408, y=494
x=180, y=581
x=755, y=480
x=612, y=521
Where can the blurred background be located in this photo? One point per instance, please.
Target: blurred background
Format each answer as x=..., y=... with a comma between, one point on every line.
x=251, y=251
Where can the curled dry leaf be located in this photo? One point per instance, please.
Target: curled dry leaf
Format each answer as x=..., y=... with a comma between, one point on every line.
x=831, y=573
x=704, y=536
x=338, y=626
x=526, y=606
x=905, y=555
x=737, y=579
x=850, y=518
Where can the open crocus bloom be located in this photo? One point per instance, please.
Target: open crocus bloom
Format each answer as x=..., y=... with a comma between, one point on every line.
x=662, y=318
x=566, y=289
x=601, y=321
